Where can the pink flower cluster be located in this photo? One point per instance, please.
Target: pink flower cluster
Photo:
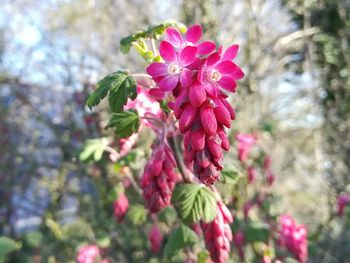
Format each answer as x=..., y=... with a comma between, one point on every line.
x=343, y=200
x=269, y=175
x=218, y=234
x=293, y=237
x=89, y=254
x=246, y=143
x=120, y=207
x=155, y=237
x=159, y=178
x=197, y=77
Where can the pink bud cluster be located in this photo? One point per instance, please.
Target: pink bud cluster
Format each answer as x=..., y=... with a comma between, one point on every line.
x=89, y=254
x=343, y=200
x=120, y=207
x=197, y=76
x=155, y=237
x=293, y=237
x=218, y=234
x=159, y=178
x=269, y=175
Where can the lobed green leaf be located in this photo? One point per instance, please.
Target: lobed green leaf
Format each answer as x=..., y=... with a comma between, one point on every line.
x=125, y=123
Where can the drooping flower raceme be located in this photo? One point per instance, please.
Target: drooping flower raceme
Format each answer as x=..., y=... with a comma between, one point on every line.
x=218, y=234
x=343, y=200
x=120, y=207
x=155, y=237
x=159, y=178
x=293, y=237
x=198, y=80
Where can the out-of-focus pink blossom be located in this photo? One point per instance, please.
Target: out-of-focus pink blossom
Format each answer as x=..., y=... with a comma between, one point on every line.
x=293, y=237
x=343, y=200
x=155, y=237
x=251, y=174
x=120, y=207
x=239, y=240
x=266, y=259
x=246, y=209
x=88, y=254
x=246, y=143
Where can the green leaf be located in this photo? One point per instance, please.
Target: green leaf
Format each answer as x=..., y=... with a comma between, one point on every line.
x=231, y=176
x=124, y=88
x=104, y=241
x=7, y=245
x=194, y=202
x=33, y=239
x=136, y=214
x=120, y=86
x=203, y=257
x=125, y=123
x=256, y=232
x=151, y=32
x=93, y=149
x=180, y=238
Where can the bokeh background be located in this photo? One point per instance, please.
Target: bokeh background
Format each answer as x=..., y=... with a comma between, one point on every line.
x=296, y=92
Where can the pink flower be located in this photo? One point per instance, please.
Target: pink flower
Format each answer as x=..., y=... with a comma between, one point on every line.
x=266, y=259
x=246, y=209
x=155, y=237
x=293, y=237
x=88, y=254
x=120, y=207
x=343, y=200
x=218, y=234
x=174, y=69
x=159, y=178
x=218, y=72
x=239, y=240
x=251, y=174
x=246, y=143
x=192, y=37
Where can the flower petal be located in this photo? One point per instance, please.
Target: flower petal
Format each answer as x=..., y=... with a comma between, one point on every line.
x=187, y=118
x=174, y=37
x=169, y=82
x=208, y=120
x=167, y=51
x=212, y=90
x=186, y=77
x=212, y=59
x=197, y=95
x=157, y=93
x=227, y=83
x=237, y=73
x=187, y=55
x=230, y=53
x=194, y=33
x=206, y=47
x=157, y=69
x=226, y=67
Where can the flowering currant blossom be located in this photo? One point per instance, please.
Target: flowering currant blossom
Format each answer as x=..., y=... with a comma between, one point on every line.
x=88, y=254
x=218, y=234
x=197, y=81
x=270, y=176
x=343, y=200
x=239, y=240
x=293, y=237
x=246, y=143
x=120, y=206
x=155, y=237
x=159, y=178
